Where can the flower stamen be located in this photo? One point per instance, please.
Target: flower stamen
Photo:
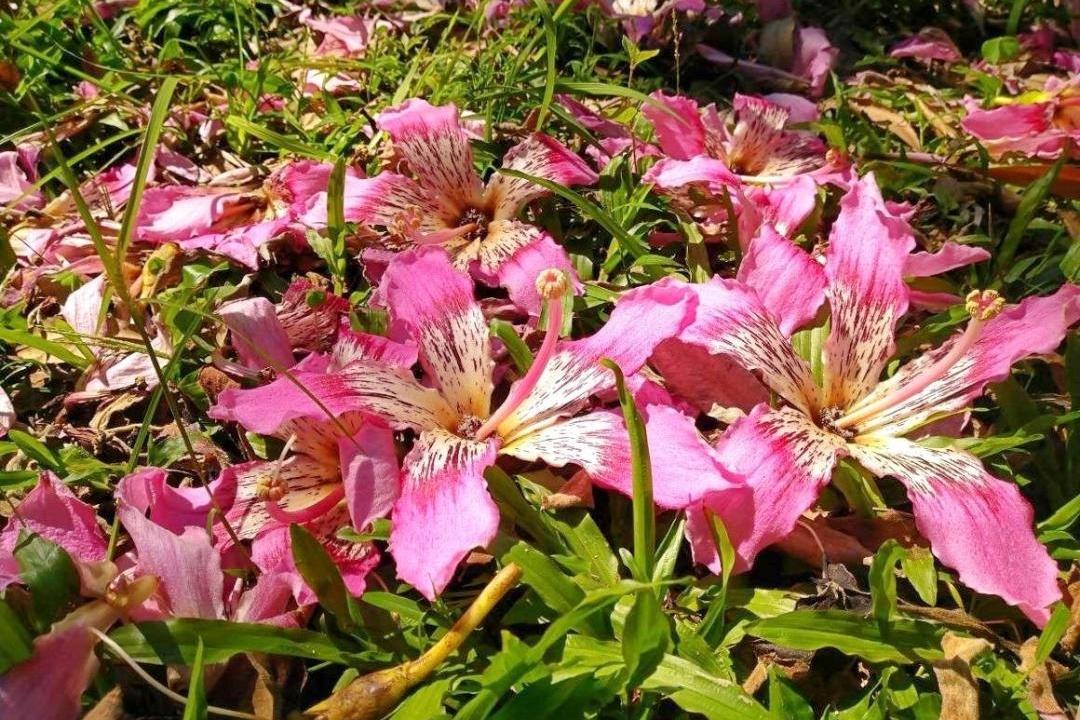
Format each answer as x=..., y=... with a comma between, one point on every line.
x=983, y=306
x=552, y=285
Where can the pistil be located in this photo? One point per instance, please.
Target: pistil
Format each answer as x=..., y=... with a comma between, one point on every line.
x=552, y=285
x=983, y=306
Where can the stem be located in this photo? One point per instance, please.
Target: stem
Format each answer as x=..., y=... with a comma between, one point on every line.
x=374, y=695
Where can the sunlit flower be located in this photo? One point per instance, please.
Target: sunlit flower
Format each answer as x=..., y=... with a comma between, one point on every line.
x=1039, y=124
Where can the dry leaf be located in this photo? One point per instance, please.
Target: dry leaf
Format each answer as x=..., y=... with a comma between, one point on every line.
x=1040, y=686
x=893, y=121
x=959, y=690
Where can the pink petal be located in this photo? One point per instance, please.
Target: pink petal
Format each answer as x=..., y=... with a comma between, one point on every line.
x=976, y=524
x=684, y=467
x=352, y=345
x=347, y=36
x=444, y=510
x=1021, y=129
x=445, y=320
x=16, y=188
x=257, y=334
x=1036, y=326
x=786, y=461
x=173, y=508
x=434, y=144
x=642, y=319
x=82, y=309
x=369, y=469
x=592, y=121
x=187, y=566
x=951, y=256
x=50, y=684
x=930, y=44
x=707, y=380
x=731, y=320
x=677, y=122
x=800, y=110
x=7, y=413
x=786, y=207
x=518, y=272
x=674, y=174
x=379, y=201
x=539, y=156
x=814, y=58
x=868, y=249
x=170, y=213
x=790, y=283
x=52, y=511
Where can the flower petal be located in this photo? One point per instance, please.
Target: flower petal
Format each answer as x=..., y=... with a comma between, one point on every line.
x=436, y=148
x=445, y=319
x=525, y=251
x=82, y=309
x=684, y=467
x=786, y=461
x=1035, y=326
x=187, y=566
x=868, y=249
x=380, y=201
x=444, y=510
x=951, y=256
x=642, y=319
x=52, y=511
x=976, y=524
x=172, y=508
x=540, y=156
x=388, y=392
x=706, y=380
x=732, y=320
x=930, y=43
x=369, y=469
x=677, y=123
x=49, y=685
x=7, y=413
x=257, y=334
x=789, y=283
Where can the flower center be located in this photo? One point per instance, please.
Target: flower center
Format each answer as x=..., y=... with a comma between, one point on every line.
x=477, y=221
x=982, y=306
x=827, y=418
x=468, y=426
x=551, y=284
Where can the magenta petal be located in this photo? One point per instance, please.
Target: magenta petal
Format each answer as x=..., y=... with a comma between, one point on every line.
x=16, y=187
x=52, y=511
x=790, y=283
x=951, y=256
x=706, y=380
x=518, y=274
x=187, y=566
x=976, y=524
x=786, y=461
x=814, y=58
x=444, y=510
x=172, y=508
x=266, y=408
x=50, y=684
x=539, y=156
x=257, y=334
x=677, y=122
x=673, y=174
x=930, y=44
x=868, y=249
x=369, y=469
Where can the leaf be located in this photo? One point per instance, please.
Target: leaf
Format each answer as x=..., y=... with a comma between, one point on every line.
x=883, y=580
x=918, y=566
x=785, y=701
x=551, y=42
x=508, y=336
x=646, y=638
x=688, y=685
x=1052, y=633
x=49, y=574
x=176, y=641
x=1030, y=202
x=37, y=451
x=321, y=574
x=196, y=699
x=901, y=641
x=1001, y=49
x=959, y=690
x=15, y=640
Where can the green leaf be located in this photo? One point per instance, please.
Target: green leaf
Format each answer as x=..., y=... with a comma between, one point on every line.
x=918, y=566
x=1030, y=202
x=883, y=580
x=646, y=638
x=901, y=641
x=551, y=42
x=49, y=574
x=60, y=352
x=1052, y=633
x=176, y=641
x=196, y=699
x=321, y=574
x=785, y=701
x=37, y=451
x=641, y=479
x=519, y=351
x=1000, y=49
x=16, y=643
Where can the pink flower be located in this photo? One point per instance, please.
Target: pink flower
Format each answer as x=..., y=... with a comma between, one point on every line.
x=976, y=524
x=17, y=183
x=640, y=18
x=1038, y=128
x=808, y=59
x=444, y=201
x=444, y=510
x=342, y=36
x=930, y=43
x=232, y=221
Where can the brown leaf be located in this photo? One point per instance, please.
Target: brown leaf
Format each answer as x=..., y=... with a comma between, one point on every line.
x=110, y=707
x=959, y=690
x=1066, y=185
x=576, y=492
x=1039, y=683
x=893, y=121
